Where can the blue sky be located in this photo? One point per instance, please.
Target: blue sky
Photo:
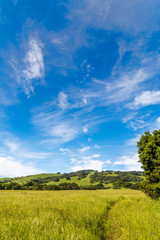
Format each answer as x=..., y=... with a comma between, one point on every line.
x=79, y=83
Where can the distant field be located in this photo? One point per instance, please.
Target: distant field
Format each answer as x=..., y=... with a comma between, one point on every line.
x=78, y=215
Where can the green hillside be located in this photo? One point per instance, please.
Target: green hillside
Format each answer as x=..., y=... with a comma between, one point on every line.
x=107, y=179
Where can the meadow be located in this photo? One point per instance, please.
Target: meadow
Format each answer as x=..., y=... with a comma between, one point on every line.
x=78, y=215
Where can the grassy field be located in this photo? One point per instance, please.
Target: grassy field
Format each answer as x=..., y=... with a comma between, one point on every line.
x=78, y=215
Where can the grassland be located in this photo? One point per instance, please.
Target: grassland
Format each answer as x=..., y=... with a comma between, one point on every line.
x=78, y=215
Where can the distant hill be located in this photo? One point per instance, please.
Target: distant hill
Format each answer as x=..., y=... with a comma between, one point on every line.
x=84, y=178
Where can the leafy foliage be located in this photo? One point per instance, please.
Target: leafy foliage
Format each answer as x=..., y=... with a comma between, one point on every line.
x=106, y=177
x=149, y=155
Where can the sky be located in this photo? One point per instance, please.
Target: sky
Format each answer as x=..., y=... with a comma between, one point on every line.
x=79, y=84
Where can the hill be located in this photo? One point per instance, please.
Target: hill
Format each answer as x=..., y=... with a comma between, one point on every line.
x=84, y=179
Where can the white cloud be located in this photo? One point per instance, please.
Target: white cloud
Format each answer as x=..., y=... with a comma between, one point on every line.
x=130, y=162
x=85, y=158
x=55, y=126
x=97, y=146
x=107, y=162
x=129, y=117
x=9, y=167
x=147, y=98
x=133, y=141
x=12, y=146
x=84, y=149
x=90, y=164
x=155, y=125
x=7, y=97
x=65, y=132
x=35, y=155
x=158, y=121
x=138, y=124
x=34, y=60
x=27, y=66
x=17, y=156
x=73, y=160
x=137, y=121
x=62, y=98
x=33, y=64
x=121, y=16
x=63, y=126
x=85, y=129
x=131, y=16
x=120, y=87
x=15, y=151
x=65, y=150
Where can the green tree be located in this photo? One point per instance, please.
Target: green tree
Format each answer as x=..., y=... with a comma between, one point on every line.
x=149, y=156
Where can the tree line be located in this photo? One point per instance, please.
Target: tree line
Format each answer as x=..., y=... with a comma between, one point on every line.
x=62, y=186
x=35, y=186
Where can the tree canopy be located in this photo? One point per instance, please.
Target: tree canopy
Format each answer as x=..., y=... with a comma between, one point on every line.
x=149, y=156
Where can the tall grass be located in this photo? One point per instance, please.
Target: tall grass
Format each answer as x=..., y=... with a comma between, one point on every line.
x=78, y=215
x=69, y=215
x=134, y=219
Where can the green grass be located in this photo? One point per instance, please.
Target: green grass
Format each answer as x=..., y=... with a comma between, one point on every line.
x=135, y=218
x=76, y=215
x=31, y=177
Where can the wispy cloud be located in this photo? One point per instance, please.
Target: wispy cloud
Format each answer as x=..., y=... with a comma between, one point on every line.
x=84, y=149
x=55, y=127
x=63, y=102
x=27, y=65
x=133, y=141
x=97, y=146
x=64, y=131
x=65, y=151
x=64, y=126
x=113, y=91
x=61, y=122
x=33, y=64
x=138, y=121
x=121, y=15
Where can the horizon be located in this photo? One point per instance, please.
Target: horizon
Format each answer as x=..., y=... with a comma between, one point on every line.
x=63, y=173
x=79, y=84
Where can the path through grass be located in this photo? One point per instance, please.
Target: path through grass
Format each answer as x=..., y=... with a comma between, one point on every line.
x=134, y=219
x=78, y=215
